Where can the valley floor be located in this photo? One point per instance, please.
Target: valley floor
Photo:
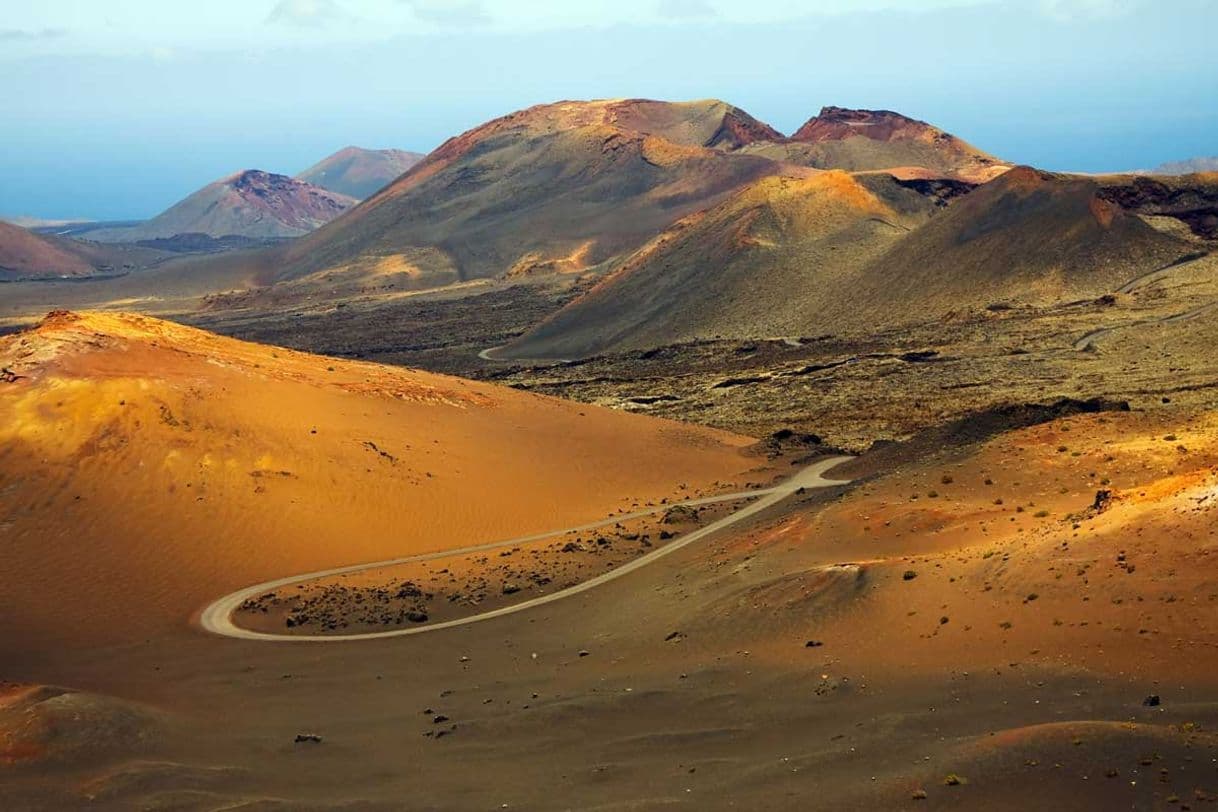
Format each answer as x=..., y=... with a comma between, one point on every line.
x=963, y=628
x=1011, y=608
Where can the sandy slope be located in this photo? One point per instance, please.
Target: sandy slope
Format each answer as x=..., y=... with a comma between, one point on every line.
x=791, y=665
x=148, y=468
x=217, y=618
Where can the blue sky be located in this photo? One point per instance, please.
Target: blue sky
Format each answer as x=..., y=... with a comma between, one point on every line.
x=117, y=109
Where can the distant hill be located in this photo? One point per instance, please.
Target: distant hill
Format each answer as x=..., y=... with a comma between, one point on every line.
x=1028, y=237
x=751, y=267
x=357, y=172
x=1186, y=167
x=569, y=187
x=1186, y=205
x=565, y=185
x=576, y=186
x=839, y=253
x=26, y=255
x=252, y=203
x=858, y=140
x=36, y=223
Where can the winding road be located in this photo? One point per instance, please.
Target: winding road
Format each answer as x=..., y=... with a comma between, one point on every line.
x=1086, y=341
x=218, y=617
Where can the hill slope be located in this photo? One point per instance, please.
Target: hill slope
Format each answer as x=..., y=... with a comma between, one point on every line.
x=146, y=468
x=1186, y=167
x=358, y=173
x=572, y=183
x=750, y=267
x=840, y=253
x=252, y=203
x=1028, y=237
x=858, y=140
x=26, y=255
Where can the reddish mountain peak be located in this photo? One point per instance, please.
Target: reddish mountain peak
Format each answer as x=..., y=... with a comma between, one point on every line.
x=1025, y=177
x=837, y=123
x=739, y=129
x=703, y=123
x=256, y=181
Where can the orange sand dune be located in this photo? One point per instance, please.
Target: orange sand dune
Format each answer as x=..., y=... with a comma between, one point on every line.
x=146, y=468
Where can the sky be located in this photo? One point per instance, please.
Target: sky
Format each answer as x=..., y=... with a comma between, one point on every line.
x=116, y=109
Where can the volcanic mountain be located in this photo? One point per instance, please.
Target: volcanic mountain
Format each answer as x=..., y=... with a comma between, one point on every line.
x=26, y=255
x=569, y=185
x=170, y=466
x=856, y=140
x=839, y=252
x=1029, y=237
x=252, y=203
x=357, y=172
x=751, y=267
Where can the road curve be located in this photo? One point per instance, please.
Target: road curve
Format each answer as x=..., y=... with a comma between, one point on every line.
x=488, y=354
x=218, y=617
x=1188, y=315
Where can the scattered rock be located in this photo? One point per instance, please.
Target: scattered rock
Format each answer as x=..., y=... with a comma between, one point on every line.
x=1103, y=501
x=909, y=575
x=312, y=738
x=680, y=515
x=1151, y=701
x=813, y=644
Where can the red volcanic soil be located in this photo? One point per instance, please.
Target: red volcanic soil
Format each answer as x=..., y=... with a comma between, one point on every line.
x=294, y=203
x=836, y=123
